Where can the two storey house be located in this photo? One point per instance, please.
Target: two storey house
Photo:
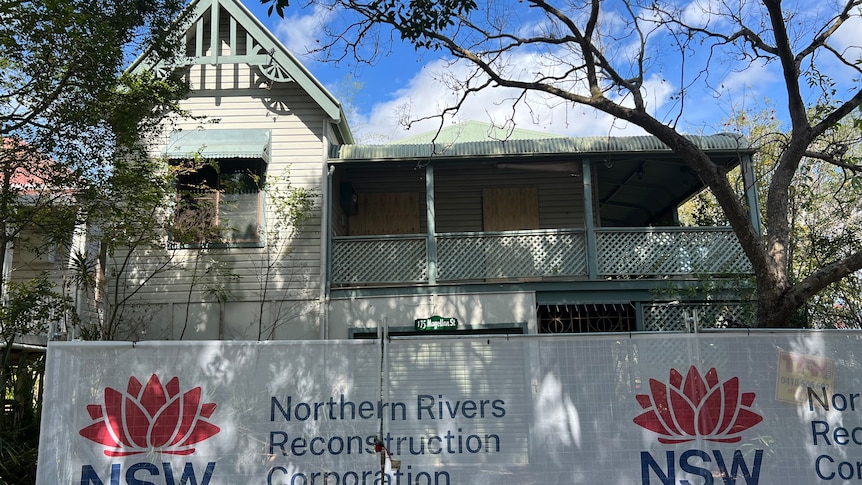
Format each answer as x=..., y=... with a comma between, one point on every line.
x=470, y=229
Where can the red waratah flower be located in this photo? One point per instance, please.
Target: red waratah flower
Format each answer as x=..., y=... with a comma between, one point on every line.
x=695, y=407
x=154, y=417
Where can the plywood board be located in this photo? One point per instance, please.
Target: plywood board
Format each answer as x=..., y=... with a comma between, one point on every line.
x=510, y=208
x=386, y=213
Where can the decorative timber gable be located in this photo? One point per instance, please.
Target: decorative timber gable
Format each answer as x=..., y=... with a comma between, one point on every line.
x=224, y=33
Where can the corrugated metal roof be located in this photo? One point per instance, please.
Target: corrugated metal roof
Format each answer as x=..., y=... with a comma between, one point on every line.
x=248, y=143
x=470, y=131
x=726, y=142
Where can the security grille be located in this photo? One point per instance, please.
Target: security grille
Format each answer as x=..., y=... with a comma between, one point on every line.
x=587, y=318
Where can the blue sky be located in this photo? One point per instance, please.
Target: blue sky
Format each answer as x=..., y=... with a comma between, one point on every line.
x=406, y=85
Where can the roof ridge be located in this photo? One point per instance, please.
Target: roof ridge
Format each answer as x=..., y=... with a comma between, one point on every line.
x=473, y=131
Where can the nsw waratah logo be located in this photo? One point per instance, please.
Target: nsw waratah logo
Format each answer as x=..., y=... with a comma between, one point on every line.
x=153, y=417
x=694, y=407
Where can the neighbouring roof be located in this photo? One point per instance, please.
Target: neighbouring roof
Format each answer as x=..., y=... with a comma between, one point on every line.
x=259, y=47
x=466, y=144
x=472, y=131
x=33, y=172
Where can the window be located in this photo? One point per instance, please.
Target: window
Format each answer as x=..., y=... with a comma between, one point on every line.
x=220, y=177
x=219, y=202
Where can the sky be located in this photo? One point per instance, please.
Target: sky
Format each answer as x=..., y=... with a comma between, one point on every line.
x=406, y=84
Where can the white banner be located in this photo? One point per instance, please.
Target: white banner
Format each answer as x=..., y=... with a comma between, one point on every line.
x=721, y=408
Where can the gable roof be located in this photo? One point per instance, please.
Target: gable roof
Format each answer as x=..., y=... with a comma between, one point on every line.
x=250, y=43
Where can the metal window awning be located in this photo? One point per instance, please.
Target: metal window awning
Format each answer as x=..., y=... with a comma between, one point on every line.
x=220, y=144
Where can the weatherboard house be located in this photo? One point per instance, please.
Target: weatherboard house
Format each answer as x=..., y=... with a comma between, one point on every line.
x=469, y=230
x=243, y=352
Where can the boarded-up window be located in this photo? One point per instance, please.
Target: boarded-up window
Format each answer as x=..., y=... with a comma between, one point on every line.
x=386, y=213
x=510, y=209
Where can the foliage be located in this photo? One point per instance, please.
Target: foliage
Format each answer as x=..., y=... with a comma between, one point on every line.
x=609, y=55
x=61, y=88
x=276, y=6
x=28, y=308
x=66, y=110
x=67, y=113
x=346, y=91
x=823, y=208
x=289, y=208
x=19, y=430
x=762, y=130
x=129, y=213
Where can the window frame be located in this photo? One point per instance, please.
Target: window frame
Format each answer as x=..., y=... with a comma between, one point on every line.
x=201, y=171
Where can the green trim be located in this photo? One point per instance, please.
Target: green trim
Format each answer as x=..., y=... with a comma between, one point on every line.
x=280, y=65
x=518, y=328
x=589, y=223
x=621, y=290
x=220, y=144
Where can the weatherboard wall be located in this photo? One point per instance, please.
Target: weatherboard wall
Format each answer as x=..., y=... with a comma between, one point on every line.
x=513, y=310
x=459, y=196
x=458, y=192
x=223, y=98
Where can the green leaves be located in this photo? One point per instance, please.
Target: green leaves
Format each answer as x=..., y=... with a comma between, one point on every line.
x=63, y=59
x=140, y=102
x=418, y=20
x=276, y=5
x=28, y=307
x=76, y=128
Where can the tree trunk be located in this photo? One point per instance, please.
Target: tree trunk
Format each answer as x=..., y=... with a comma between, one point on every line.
x=773, y=310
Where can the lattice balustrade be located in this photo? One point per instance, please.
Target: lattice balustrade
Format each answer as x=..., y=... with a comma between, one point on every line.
x=685, y=317
x=538, y=254
x=379, y=260
x=669, y=251
x=522, y=254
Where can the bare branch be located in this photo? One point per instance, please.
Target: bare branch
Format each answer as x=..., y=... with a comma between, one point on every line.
x=582, y=60
x=833, y=160
x=829, y=29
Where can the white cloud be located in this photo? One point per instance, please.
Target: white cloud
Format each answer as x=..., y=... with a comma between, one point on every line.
x=701, y=13
x=424, y=92
x=300, y=33
x=432, y=89
x=848, y=39
x=755, y=79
